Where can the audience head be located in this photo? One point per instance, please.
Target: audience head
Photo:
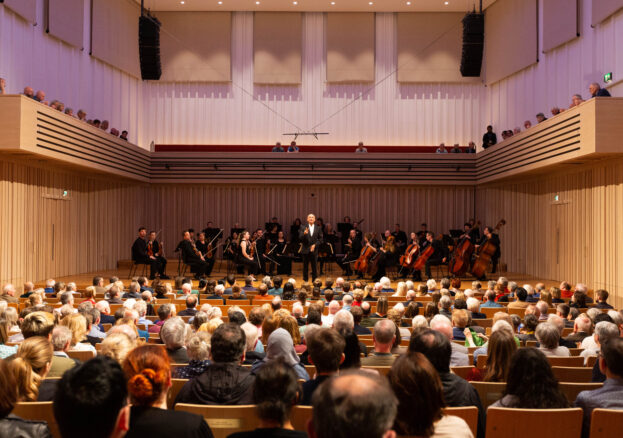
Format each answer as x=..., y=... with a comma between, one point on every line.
x=353, y=405
x=228, y=343
x=275, y=391
x=435, y=346
x=611, y=358
x=500, y=351
x=417, y=386
x=118, y=344
x=37, y=324
x=326, y=350
x=30, y=366
x=98, y=385
x=148, y=372
x=173, y=333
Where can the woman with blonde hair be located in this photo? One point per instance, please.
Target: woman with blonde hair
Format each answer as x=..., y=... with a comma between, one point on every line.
x=89, y=295
x=5, y=350
x=77, y=323
x=401, y=290
x=29, y=366
x=117, y=346
x=149, y=380
x=211, y=325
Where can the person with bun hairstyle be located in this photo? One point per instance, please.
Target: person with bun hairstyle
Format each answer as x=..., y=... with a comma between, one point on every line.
x=29, y=367
x=149, y=379
x=275, y=391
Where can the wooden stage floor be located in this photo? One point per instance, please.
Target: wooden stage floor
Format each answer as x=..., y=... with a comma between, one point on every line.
x=220, y=271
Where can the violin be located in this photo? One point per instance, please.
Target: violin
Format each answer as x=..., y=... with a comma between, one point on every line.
x=150, y=249
x=485, y=253
x=211, y=247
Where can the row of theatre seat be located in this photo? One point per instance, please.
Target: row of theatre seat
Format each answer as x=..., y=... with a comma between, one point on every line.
x=501, y=422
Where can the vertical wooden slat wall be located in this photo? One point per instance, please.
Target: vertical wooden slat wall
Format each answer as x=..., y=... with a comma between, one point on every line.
x=577, y=238
x=42, y=237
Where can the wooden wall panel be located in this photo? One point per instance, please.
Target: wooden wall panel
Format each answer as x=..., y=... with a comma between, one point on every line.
x=575, y=238
x=42, y=237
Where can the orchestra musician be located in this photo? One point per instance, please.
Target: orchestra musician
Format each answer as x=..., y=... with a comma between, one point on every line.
x=261, y=244
x=400, y=236
x=202, y=246
x=353, y=249
x=246, y=251
x=470, y=233
x=439, y=256
x=422, y=233
x=277, y=252
x=158, y=252
x=475, y=229
x=310, y=236
x=192, y=257
x=387, y=256
x=142, y=254
x=489, y=235
x=294, y=232
x=270, y=226
x=327, y=247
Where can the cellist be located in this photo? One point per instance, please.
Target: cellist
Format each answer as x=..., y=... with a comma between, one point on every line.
x=202, y=247
x=440, y=252
x=353, y=249
x=157, y=251
x=489, y=235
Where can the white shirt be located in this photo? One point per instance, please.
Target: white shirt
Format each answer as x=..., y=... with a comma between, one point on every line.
x=311, y=230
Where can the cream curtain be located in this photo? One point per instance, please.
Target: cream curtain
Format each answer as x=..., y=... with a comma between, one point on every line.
x=27, y=9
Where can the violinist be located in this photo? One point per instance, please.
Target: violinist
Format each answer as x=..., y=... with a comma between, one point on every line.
x=353, y=249
x=192, y=257
x=261, y=243
x=203, y=247
x=272, y=232
x=231, y=247
x=440, y=252
x=489, y=235
x=278, y=251
x=387, y=256
x=246, y=253
x=143, y=254
x=158, y=252
x=422, y=233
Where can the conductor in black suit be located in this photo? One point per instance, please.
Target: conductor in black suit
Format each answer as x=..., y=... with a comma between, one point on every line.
x=310, y=237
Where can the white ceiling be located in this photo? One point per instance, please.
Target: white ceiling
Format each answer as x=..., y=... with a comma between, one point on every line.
x=317, y=5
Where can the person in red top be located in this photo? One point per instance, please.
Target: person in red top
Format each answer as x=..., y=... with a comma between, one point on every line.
x=565, y=290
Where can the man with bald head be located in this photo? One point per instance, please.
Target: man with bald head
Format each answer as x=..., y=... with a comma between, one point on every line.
x=8, y=294
x=384, y=336
x=339, y=402
x=459, y=357
x=310, y=236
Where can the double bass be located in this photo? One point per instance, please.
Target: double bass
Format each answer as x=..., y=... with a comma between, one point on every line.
x=485, y=253
x=462, y=255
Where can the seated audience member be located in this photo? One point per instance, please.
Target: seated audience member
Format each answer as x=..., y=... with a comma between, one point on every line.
x=578, y=300
x=61, y=342
x=610, y=395
x=124, y=135
x=104, y=125
x=456, y=149
x=460, y=319
x=293, y=147
x=384, y=336
x=12, y=425
x=325, y=349
x=165, y=311
x=82, y=115
x=280, y=344
x=8, y=294
x=604, y=331
x=191, y=304
x=582, y=327
x=69, y=112
x=602, y=297
x=490, y=300
x=114, y=131
x=555, y=111
x=278, y=147
x=77, y=323
x=98, y=385
x=252, y=354
x=442, y=325
x=361, y=149
x=576, y=99
x=225, y=381
x=500, y=350
x=5, y=350
x=198, y=350
x=489, y=138
x=456, y=390
x=418, y=388
x=548, y=337
x=540, y=117
x=530, y=323
x=473, y=305
x=531, y=383
x=29, y=92
x=522, y=296
x=596, y=90
x=559, y=323
x=275, y=391
x=339, y=402
x=30, y=366
x=149, y=380
x=471, y=148
x=117, y=345
x=173, y=336
x=3, y=86
x=527, y=124
x=441, y=149
x=133, y=292
x=357, y=317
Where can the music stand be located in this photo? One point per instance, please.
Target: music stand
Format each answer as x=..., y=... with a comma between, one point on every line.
x=455, y=234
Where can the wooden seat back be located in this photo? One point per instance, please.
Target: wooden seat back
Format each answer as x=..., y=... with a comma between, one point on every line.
x=573, y=374
x=467, y=413
x=38, y=411
x=489, y=392
x=572, y=389
x=224, y=420
x=534, y=423
x=606, y=423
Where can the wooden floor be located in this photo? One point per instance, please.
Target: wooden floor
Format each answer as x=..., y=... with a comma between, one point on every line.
x=220, y=271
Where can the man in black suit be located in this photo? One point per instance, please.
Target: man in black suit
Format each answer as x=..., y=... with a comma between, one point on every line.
x=597, y=91
x=310, y=237
x=353, y=249
x=140, y=254
x=400, y=236
x=191, y=258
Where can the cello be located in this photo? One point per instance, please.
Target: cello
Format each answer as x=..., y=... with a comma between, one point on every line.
x=362, y=264
x=462, y=255
x=408, y=258
x=485, y=253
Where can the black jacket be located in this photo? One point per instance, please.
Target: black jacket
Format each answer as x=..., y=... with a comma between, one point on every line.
x=13, y=426
x=459, y=392
x=156, y=423
x=308, y=239
x=139, y=251
x=221, y=384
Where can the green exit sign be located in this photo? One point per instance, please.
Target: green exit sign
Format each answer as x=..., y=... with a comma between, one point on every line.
x=608, y=77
